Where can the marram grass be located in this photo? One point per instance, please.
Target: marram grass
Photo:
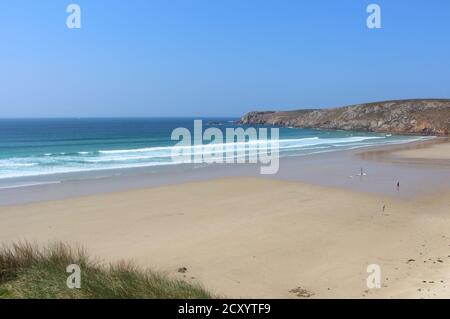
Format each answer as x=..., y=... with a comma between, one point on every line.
x=30, y=271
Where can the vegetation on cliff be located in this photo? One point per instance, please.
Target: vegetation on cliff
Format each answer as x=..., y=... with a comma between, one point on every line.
x=420, y=116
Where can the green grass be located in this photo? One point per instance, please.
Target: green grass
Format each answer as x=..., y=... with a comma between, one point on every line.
x=29, y=271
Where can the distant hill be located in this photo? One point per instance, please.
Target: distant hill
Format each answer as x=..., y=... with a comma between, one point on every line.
x=420, y=116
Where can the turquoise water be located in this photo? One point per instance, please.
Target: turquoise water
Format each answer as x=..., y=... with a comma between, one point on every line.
x=36, y=147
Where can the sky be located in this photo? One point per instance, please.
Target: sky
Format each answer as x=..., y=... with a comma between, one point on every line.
x=217, y=57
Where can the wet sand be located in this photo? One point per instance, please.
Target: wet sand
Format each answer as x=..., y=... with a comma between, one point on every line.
x=436, y=151
x=248, y=236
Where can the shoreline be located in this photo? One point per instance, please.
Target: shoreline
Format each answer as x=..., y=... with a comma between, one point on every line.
x=311, y=168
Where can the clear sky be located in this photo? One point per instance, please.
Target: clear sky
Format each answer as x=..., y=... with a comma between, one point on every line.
x=217, y=57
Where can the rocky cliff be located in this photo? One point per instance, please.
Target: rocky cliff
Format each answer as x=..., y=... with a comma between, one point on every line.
x=426, y=117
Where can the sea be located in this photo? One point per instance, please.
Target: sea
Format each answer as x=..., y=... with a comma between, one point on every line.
x=63, y=148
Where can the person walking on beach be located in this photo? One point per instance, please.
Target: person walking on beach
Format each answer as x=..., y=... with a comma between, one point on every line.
x=398, y=186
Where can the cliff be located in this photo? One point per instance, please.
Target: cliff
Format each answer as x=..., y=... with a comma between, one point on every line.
x=425, y=117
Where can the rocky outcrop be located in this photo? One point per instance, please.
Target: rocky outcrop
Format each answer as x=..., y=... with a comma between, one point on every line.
x=425, y=117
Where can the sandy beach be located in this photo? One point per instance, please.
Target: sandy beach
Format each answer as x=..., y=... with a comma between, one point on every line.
x=248, y=236
x=439, y=151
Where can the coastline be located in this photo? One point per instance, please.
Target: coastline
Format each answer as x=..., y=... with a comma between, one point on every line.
x=248, y=236
x=320, y=169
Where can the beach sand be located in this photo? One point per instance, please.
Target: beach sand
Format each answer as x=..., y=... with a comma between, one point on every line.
x=440, y=151
x=259, y=238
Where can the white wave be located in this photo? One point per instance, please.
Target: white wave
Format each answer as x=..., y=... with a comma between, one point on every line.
x=136, y=150
x=29, y=184
x=125, y=158
x=150, y=153
x=79, y=169
x=12, y=164
x=251, y=142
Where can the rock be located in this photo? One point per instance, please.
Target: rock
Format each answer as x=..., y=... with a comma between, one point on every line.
x=182, y=270
x=301, y=292
x=422, y=117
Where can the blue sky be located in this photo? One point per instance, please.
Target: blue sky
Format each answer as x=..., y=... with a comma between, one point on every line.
x=217, y=57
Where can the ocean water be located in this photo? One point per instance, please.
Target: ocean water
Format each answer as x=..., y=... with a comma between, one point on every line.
x=44, y=147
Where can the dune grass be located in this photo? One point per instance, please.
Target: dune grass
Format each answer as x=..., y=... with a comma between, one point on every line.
x=30, y=271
